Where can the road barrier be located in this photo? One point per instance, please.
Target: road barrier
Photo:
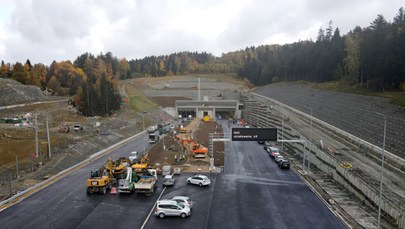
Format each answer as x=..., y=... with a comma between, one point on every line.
x=37, y=187
x=357, y=185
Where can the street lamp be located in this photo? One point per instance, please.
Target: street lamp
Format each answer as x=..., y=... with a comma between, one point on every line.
x=143, y=119
x=164, y=147
x=310, y=138
x=382, y=170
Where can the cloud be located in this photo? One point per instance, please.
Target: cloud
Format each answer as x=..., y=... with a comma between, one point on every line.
x=47, y=30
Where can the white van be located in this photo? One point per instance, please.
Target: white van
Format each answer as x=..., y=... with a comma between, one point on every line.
x=168, y=180
x=171, y=208
x=166, y=170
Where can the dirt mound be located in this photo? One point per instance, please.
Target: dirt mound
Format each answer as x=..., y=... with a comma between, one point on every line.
x=13, y=92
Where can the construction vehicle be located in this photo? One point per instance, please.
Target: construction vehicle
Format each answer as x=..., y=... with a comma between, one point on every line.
x=153, y=132
x=64, y=128
x=206, y=118
x=98, y=182
x=147, y=182
x=189, y=144
x=117, y=167
x=198, y=150
x=182, y=130
x=127, y=185
x=141, y=164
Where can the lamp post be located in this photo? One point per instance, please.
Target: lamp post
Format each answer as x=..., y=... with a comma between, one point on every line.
x=143, y=120
x=382, y=170
x=310, y=138
x=164, y=146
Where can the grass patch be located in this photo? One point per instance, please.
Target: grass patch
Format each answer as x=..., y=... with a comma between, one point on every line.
x=141, y=103
x=137, y=101
x=396, y=98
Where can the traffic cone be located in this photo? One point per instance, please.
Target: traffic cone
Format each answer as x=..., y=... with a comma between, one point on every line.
x=113, y=190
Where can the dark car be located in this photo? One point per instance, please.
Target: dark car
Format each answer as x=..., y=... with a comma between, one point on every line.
x=278, y=158
x=284, y=164
x=266, y=146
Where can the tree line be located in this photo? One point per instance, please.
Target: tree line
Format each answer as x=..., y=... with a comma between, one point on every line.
x=91, y=83
x=371, y=57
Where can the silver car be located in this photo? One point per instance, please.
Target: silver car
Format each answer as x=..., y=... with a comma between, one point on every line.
x=168, y=180
x=185, y=200
x=200, y=180
x=171, y=208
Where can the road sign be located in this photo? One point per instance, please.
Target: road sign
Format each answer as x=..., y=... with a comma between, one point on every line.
x=254, y=134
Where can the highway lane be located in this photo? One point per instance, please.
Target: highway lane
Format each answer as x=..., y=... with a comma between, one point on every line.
x=201, y=196
x=65, y=204
x=254, y=193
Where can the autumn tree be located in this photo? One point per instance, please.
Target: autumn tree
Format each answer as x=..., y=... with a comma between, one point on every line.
x=20, y=73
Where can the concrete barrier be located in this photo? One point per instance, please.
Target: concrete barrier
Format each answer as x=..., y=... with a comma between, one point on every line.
x=329, y=165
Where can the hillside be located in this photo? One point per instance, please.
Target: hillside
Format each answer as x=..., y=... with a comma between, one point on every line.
x=13, y=92
x=352, y=113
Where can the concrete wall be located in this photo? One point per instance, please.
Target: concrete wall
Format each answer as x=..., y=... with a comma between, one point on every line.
x=327, y=163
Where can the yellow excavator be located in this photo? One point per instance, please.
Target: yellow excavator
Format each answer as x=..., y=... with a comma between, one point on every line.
x=104, y=178
x=142, y=164
x=117, y=167
x=98, y=182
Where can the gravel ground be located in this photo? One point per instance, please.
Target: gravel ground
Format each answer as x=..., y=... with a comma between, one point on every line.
x=355, y=114
x=188, y=88
x=13, y=92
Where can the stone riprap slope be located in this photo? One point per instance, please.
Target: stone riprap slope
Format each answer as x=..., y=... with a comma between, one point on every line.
x=355, y=114
x=13, y=92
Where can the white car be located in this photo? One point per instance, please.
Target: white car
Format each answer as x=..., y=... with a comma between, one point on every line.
x=176, y=171
x=133, y=156
x=168, y=180
x=171, y=208
x=200, y=180
x=185, y=200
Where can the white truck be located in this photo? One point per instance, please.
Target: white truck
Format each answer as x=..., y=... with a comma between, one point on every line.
x=147, y=183
x=127, y=185
x=153, y=134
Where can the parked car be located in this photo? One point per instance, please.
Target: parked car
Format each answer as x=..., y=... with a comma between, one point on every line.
x=284, y=164
x=200, y=180
x=185, y=200
x=260, y=142
x=168, y=180
x=272, y=150
x=274, y=154
x=278, y=158
x=171, y=208
x=133, y=156
x=166, y=170
x=267, y=145
x=176, y=171
x=77, y=127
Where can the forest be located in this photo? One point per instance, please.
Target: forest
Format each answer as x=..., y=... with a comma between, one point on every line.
x=371, y=57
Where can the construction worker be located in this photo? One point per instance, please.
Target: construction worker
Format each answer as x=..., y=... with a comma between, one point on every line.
x=183, y=157
x=175, y=158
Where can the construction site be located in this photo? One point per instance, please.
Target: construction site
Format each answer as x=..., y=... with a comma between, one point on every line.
x=343, y=169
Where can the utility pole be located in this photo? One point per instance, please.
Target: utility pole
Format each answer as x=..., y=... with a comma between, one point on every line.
x=36, y=135
x=164, y=147
x=310, y=138
x=16, y=160
x=282, y=133
x=49, y=140
x=382, y=171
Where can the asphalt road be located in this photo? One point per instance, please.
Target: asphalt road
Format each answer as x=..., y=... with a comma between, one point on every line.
x=251, y=193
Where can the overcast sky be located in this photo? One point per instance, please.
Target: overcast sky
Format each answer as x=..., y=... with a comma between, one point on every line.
x=47, y=30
